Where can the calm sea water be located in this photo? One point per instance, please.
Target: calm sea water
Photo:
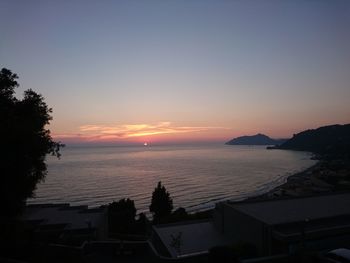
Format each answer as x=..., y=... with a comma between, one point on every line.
x=195, y=176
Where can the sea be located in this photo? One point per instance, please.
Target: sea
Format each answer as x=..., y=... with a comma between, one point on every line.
x=196, y=176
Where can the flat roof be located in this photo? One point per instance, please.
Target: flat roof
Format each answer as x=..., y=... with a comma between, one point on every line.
x=74, y=216
x=195, y=237
x=282, y=211
x=313, y=228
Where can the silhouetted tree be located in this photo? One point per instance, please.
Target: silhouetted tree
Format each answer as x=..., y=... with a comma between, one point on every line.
x=142, y=218
x=121, y=216
x=142, y=224
x=24, y=143
x=161, y=204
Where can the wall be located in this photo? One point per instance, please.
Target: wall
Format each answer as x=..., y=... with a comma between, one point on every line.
x=240, y=227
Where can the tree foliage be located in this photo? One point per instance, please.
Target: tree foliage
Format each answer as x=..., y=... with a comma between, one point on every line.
x=161, y=205
x=25, y=142
x=125, y=208
x=121, y=216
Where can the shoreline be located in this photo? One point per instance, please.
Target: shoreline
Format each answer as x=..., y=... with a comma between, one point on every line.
x=295, y=185
x=324, y=177
x=299, y=179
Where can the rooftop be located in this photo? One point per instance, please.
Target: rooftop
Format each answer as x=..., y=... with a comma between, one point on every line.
x=283, y=211
x=189, y=238
x=74, y=217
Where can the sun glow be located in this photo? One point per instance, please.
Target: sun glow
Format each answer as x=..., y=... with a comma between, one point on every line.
x=128, y=131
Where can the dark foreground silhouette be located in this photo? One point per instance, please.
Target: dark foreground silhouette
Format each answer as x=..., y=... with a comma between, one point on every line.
x=24, y=143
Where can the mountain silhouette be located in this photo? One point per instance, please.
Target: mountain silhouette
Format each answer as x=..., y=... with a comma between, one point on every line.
x=327, y=140
x=258, y=139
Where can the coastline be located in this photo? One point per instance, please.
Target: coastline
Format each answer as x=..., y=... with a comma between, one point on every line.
x=290, y=188
x=296, y=185
x=325, y=176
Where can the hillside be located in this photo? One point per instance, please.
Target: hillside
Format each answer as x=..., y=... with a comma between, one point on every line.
x=258, y=139
x=333, y=140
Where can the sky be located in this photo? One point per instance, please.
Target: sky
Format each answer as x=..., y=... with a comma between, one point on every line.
x=181, y=70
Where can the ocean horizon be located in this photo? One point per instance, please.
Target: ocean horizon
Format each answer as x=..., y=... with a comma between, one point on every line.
x=196, y=175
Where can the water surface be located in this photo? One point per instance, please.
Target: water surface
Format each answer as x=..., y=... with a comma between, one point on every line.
x=195, y=176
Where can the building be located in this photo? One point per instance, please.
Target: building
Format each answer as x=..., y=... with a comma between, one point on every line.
x=63, y=223
x=271, y=227
x=186, y=239
x=287, y=225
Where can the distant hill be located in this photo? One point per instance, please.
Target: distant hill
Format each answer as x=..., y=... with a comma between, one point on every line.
x=258, y=139
x=333, y=140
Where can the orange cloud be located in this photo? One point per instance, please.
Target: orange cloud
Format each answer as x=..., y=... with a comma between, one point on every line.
x=125, y=131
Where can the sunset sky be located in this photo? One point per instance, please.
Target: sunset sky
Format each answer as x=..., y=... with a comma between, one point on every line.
x=181, y=70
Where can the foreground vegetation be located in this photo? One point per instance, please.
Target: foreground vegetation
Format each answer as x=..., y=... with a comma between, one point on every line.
x=25, y=141
x=124, y=222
